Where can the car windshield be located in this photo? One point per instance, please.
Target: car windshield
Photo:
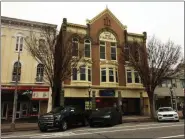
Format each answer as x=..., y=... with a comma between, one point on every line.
x=165, y=109
x=57, y=109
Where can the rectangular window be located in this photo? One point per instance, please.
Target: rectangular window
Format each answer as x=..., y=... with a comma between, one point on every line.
x=182, y=83
x=102, y=50
x=113, y=51
x=74, y=74
x=89, y=73
x=19, y=43
x=87, y=50
x=75, y=49
x=129, y=76
x=111, y=75
x=116, y=75
x=136, y=75
x=103, y=74
x=126, y=53
x=82, y=73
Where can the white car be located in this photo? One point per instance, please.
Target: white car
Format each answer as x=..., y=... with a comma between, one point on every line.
x=167, y=114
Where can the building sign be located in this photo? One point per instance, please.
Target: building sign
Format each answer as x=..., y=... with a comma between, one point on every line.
x=40, y=95
x=33, y=88
x=87, y=105
x=107, y=36
x=107, y=93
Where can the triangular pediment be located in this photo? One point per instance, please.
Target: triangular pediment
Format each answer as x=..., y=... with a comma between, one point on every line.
x=104, y=12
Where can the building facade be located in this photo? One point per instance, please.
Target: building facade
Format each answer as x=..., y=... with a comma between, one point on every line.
x=107, y=74
x=163, y=93
x=30, y=72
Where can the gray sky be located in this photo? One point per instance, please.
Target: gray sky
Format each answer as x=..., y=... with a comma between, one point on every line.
x=164, y=19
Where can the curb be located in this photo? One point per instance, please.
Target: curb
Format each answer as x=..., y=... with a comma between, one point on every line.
x=19, y=129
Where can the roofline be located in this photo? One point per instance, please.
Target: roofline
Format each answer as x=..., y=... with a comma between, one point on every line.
x=27, y=22
x=76, y=25
x=135, y=34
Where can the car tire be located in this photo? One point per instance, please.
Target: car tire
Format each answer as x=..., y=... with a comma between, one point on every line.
x=85, y=122
x=120, y=121
x=43, y=129
x=64, y=125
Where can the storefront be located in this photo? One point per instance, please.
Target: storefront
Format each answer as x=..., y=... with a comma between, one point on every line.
x=28, y=104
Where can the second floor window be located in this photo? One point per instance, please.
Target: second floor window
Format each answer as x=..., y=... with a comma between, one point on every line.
x=89, y=74
x=19, y=43
x=74, y=73
x=75, y=47
x=182, y=83
x=116, y=75
x=103, y=74
x=87, y=48
x=82, y=73
x=113, y=51
x=16, y=75
x=129, y=76
x=111, y=75
x=102, y=50
x=40, y=73
x=136, y=75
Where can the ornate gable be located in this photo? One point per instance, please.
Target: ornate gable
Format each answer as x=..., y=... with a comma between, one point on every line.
x=106, y=19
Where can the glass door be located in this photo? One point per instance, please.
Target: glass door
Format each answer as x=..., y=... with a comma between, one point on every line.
x=4, y=110
x=24, y=109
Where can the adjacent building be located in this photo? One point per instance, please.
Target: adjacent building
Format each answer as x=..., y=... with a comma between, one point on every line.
x=30, y=74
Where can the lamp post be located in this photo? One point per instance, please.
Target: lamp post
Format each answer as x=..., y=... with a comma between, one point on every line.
x=89, y=96
x=15, y=94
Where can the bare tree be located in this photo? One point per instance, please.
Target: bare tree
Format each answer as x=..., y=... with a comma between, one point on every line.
x=56, y=53
x=153, y=62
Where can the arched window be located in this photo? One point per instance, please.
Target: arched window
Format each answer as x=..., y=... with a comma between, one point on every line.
x=16, y=69
x=75, y=47
x=87, y=46
x=19, y=43
x=40, y=73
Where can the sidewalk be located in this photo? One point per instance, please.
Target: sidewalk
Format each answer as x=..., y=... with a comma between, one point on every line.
x=34, y=126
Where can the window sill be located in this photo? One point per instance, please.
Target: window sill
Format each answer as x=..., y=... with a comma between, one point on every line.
x=39, y=82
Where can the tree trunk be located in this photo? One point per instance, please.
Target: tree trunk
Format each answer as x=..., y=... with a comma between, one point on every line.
x=56, y=89
x=152, y=104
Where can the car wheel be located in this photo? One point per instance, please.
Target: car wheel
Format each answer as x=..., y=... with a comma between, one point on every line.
x=64, y=125
x=120, y=121
x=43, y=129
x=85, y=122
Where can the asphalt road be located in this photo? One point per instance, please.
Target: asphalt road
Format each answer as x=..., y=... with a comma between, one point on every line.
x=129, y=130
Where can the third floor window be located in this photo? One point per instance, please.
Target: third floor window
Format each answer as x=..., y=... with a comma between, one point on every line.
x=102, y=49
x=87, y=45
x=19, y=43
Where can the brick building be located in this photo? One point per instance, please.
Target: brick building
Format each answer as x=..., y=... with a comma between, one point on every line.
x=107, y=72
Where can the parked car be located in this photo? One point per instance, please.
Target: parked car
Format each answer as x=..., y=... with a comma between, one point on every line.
x=105, y=116
x=167, y=114
x=62, y=118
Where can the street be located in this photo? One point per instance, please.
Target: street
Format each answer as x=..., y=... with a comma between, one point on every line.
x=126, y=130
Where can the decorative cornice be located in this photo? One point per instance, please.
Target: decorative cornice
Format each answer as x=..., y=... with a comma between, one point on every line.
x=77, y=25
x=135, y=34
x=20, y=22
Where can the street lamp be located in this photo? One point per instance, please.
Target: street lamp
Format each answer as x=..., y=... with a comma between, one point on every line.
x=89, y=96
x=15, y=94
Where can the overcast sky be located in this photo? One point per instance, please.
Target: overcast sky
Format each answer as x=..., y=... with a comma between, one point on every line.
x=165, y=20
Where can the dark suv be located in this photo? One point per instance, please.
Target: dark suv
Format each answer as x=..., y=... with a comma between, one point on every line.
x=62, y=118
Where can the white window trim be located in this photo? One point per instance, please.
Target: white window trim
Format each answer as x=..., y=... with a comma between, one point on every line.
x=132, y=76
x=107, y=74
x=90, y=48
x=36, y=75
x=86, y=75
x=105, y=50
x=19, y=35
x=116, y=50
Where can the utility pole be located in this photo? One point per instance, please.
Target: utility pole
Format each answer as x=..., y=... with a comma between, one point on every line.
x=15, y=94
